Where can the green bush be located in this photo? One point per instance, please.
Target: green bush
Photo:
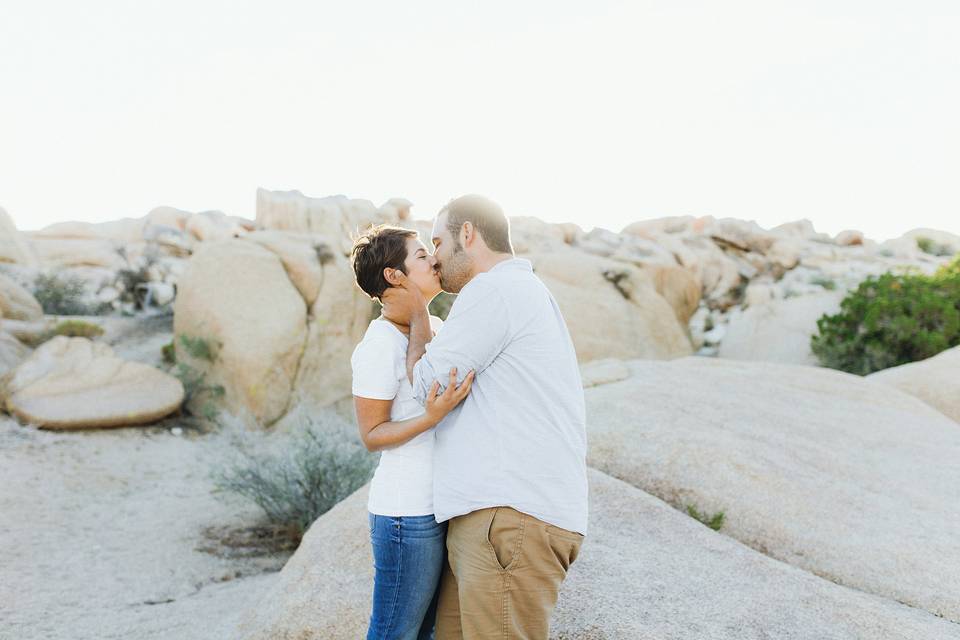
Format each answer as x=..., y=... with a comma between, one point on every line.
x=78, y=329
x=891, y=320
x=715, y=521
x=295, y=485
x=199, y=400
x=827, y=283
x=933, y=248
x=64, y=295
x=169, y=353
x=950, y=270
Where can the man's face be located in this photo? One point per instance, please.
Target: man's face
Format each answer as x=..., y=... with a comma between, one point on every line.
x=452, y=260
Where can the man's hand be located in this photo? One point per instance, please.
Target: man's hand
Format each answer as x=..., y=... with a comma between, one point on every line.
x=403, y=302
x=438, y=406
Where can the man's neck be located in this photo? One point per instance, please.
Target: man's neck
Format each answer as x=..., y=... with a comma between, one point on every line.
x=488, y=262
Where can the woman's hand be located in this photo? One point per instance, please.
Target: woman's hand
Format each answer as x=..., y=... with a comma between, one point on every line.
x=401, y=302
x=438, y=406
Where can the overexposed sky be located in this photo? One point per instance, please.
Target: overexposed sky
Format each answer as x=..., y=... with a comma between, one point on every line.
x=845, y=112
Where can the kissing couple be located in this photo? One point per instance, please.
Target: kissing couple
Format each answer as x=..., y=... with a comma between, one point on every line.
x=478, y=506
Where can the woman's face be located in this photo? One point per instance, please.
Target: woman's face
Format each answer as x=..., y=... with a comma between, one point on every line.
x=421, y=268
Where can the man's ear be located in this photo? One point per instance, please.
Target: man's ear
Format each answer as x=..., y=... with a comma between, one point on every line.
x=469, y=233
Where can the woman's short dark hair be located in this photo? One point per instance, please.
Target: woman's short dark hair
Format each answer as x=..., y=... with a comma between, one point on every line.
x=378, y=248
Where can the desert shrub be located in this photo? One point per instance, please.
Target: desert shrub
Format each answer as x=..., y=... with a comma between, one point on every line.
x=891, y=320
x=927, y=245
x=64, y=295
x=200, y=348
x=133, y=282
x=169, y=352
x=827, y=283
x=68, y=328
x=77, y=329
x=199, y=400
x=296, y=484
x=714, y=521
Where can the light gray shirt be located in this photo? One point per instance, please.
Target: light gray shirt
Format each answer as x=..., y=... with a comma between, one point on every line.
x=519, y=438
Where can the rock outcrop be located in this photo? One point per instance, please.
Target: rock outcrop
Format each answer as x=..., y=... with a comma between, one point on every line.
x=596, y=292
x=778, y=330
x=645, y=571
x=14, y=246
x=848, y=479
x=16, y=303
x=236, y=295
x=935, y=380
x=74, y=383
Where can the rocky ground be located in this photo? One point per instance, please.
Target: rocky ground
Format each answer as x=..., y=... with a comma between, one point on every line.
x=118, y=534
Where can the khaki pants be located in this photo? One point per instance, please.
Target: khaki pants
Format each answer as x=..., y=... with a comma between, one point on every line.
x=503, y=573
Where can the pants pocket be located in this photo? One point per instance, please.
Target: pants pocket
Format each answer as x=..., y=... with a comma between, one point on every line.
x=505, y=536
x=565, y=545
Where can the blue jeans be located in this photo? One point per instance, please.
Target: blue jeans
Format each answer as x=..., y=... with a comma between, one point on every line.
x=408, y=556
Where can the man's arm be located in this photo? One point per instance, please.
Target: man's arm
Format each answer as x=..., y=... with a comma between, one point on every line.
x=420, y=335
x=473, y=335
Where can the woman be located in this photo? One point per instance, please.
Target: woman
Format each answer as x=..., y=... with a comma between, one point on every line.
x=408, y=543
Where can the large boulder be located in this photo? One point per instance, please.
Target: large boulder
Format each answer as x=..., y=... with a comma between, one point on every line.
x=851, y=480
x=717, y=273
x=73, y=383
x=15, y=248
x=935, y=380
x=122, y=231
x=679, y=287
x=338, y=319
x=12, y=352
x=209, y=226
x=17, y=303
x=594, y=292
x=528, y=234
x=938, y=242
x=334, y=217
x=301, y=256
x=778, y=330
x=61, y=252
x=644, y=571
x=237, y=295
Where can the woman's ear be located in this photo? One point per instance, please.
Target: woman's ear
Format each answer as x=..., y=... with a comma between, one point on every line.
x=390, y=275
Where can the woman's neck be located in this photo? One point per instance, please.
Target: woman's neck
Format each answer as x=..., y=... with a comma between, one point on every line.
x=403, y=328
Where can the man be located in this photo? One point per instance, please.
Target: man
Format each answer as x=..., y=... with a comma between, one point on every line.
x=509, y=462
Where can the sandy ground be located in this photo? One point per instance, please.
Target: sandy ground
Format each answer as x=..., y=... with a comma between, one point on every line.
x=101, y=532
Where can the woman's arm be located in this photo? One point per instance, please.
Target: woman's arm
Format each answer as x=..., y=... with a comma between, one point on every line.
x=378, y=432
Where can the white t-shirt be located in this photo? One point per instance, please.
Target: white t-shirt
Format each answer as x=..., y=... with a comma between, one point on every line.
x=403, y=482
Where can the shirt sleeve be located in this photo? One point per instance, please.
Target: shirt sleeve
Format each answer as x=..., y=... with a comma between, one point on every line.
x=375, y=371
x=473, y=335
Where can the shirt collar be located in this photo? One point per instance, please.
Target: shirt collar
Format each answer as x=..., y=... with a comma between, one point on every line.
x=513, y=263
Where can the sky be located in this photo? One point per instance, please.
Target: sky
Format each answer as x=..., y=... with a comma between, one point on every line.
x=600, y=113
